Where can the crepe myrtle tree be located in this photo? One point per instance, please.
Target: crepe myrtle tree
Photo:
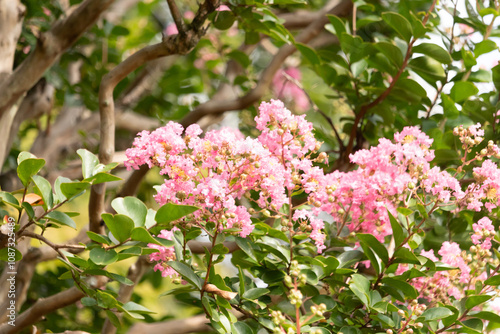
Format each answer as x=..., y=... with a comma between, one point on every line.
x=359, y=197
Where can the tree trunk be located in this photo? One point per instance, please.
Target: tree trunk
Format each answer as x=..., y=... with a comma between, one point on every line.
x=11, y=20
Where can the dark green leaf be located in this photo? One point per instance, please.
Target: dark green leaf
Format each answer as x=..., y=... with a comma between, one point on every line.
x=397, y=230
x=224, y=20
x=436, y=313
x=103, y=257
x=187, y=273
x=61, y=218
x=98, y=238
x=434, y=51
x=494, y=281
x=428, y=69
x=72, y=189
x=170, y=212
x=399, y=23
x=338, y=24
x=7, y=253
x=473, y=301
x=391, y=51
x=102, y=178
x=374, y=244
x=9, y=199
x=255, y=293
x=308, y=53
x=44, y=190
x=119, y=225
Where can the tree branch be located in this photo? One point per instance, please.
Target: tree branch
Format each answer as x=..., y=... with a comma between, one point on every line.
x=46, y=305
x=135, y=273
x=220, y=106
x=50, y=45
x=175, y=44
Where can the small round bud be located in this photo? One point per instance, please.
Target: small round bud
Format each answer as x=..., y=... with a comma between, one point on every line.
x=389, y=331
x=401, y=313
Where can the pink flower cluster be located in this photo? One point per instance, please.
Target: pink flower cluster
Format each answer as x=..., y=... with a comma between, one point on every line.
x=215, y=171
x=163, y=255
x=483, y=232
x=465, y=268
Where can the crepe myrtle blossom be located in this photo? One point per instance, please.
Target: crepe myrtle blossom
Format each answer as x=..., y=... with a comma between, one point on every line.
x=215, y=171
x=164, y=254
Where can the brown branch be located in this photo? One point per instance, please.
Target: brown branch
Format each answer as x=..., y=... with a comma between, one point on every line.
x=175, y=44
x=366, y=107
x=177, y=16
x=135, y=273
x=47, y=305
x=50, y=45
x=220, y=106
x=197, y=323
x=199, y=247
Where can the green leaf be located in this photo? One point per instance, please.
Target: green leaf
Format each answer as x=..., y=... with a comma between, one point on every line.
x=399, y=23
x=25, y=155
x=308, y=53
x=484, y=47
x=70, y=190
x=131, y=207
x=241, y=57
x=354, y=47
x=255, y=293
x=29, y=210
x=246, y=247
x=87, y=301
x=120, y=279
x=134, y=307
x=7, y=253
x=61, y=218
x=473, y=301
x=372, y=242
x=98, y=238
x=428, y=69
x=449, y=107
x=462, y=90
x=397, y=230
x=436, y=313
x=89, y=162
x=486, y=315
x=119, y=225
x=102, y=178
x=496, y=76
x=493, y=280
x=44, y=190
x=114, y=319
x=187, y=273
x=338, y=24
x=224, y=20
x=391, y=51
x=27, y=168
x=360, y=286
x=9, y=199
x=434, y=51
x=59, y=196
x=404, y=211
x=408, y=290
x=242, y=328
x=170, y=212
x=102, y=257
